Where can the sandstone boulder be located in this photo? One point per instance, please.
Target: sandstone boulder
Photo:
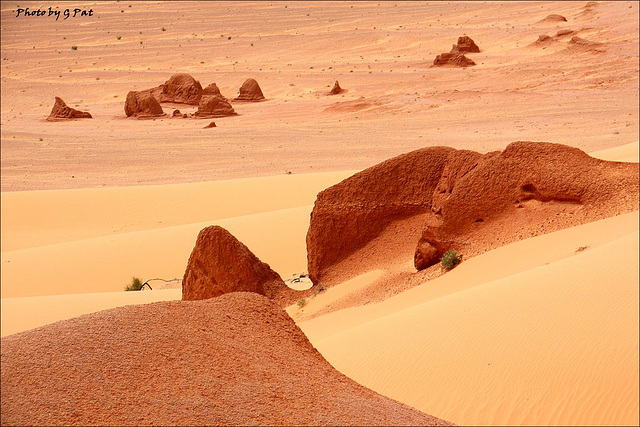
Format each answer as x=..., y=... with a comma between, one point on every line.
x=212, y=89
x=214, y=106
x=250, y=91
x=554, y=18
x=465, y=44
x=452, y=59
x=61, y=111
x=336, y=89
x=181, y=88
x=210, y=125
x=220, y=264
x=142, y=105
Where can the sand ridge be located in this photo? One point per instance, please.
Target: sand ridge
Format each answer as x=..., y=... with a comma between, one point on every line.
x=242, y=361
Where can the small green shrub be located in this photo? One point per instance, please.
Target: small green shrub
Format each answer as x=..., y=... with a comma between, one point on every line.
x=136, y=285
x=450, y=259
x=302, y=302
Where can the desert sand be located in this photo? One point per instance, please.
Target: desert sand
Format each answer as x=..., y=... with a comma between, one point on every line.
x=543, y=331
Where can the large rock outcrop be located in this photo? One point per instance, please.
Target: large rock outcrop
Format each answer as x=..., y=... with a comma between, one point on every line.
x=214, y=106
x=350, y=214
x=142, y=105
x=181, y=88
x=250, y=91
x=234, y=360
x=466, y=201
x=452, y=59
x=61, y=111
x=220, y=264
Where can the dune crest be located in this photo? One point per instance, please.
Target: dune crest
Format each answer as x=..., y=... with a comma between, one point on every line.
x=241, y=361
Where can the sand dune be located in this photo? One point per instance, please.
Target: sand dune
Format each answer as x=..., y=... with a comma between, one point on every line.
x=241, y=361
x=536, y=332
x=542, y=331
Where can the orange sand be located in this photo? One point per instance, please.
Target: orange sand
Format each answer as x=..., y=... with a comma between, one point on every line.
x=532, y=333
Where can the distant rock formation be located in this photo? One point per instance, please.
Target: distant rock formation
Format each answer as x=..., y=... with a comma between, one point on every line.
x=583, y=42
x=212, y=89
x=336, y=89
x=220, y=264
x=465, y=44
x=553, y=18
x=214, y=106
x=181, y=88
x=452, y=59
x=142, y=105
x=62, y=111
x=544, y=39
x=565, y=32
x=210, y=125
x=250, y=91
x=464, y=200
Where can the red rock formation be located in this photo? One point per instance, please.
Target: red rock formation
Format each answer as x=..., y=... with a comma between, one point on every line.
x=142, y=105
x=61, y=111
x=452, y=59
x=336, y=89
x=565, y=32
x=350, y=214
x=212, y=89
x=544, y=40
x=250, y=91
x=554, y=18
x=177, y=113
x=214, y=106
x=234, y=360
x=468, y=201
x=220, y=264
x=465, y=44
x=181, y=88
x=210, y=125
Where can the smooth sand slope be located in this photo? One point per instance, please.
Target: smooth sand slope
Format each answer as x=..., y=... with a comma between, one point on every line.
x=543, y=331
x=536, y=332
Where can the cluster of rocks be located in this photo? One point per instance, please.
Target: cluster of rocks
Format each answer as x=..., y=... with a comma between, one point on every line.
x=456, y=57
x=182, y=88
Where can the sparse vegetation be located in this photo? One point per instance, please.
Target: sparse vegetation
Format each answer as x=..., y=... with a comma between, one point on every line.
x=136, y=285
x=450, y=259
x=74, y=47
x=302, y=302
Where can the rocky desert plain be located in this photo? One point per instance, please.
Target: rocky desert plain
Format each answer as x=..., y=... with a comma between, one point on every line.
x=286, y=177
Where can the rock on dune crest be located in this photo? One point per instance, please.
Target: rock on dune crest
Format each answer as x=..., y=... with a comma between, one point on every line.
x=468, y=201
x=250, y=91
x=234, y=360
x=220, y=264
x=61, y=111
x=142, y=105
x=554, y=18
